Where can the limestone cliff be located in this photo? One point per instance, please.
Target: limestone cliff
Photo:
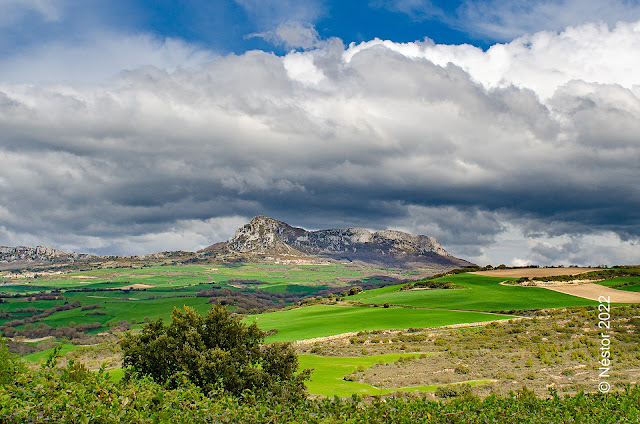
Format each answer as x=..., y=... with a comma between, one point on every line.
x=267, y=236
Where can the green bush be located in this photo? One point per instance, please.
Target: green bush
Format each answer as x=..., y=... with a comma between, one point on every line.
x=10, y=366
x=216, y=352
x=453, y=390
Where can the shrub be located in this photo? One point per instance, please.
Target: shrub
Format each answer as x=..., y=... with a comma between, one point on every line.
x=216, y=352
x=10, y=365
x=453, y=390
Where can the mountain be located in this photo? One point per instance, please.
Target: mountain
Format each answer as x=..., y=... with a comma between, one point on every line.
x=267, y=236
x=23, y=256
x=263, y=238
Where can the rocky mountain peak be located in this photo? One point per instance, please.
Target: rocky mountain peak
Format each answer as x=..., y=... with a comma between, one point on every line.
x=262, y=235
x=267, y=236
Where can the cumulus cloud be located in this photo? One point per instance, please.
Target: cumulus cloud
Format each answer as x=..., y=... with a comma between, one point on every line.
x=542, y=62
x=444, y=140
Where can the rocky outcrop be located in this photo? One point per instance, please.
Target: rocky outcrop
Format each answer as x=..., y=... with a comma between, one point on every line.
x=29, y=253
x=267, y=236
x=20, y=256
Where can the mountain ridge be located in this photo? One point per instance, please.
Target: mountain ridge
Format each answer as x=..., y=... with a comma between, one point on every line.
x=267, y=239
x=267, y=236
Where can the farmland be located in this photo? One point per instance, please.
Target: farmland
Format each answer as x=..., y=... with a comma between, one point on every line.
x=361, y=326
x=327, y=320
x=478, y=293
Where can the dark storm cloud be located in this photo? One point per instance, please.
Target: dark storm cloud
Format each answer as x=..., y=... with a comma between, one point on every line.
x=377, y=136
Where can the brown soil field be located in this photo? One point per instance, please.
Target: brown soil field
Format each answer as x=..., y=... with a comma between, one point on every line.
x=533, y=272
x=133, y=286
x=594, y=291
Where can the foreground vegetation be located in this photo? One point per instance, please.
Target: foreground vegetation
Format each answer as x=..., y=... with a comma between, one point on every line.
x=75, y=395
x=396, y=355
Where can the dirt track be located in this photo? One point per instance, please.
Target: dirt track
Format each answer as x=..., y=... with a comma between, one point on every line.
x=533, y=272
x=594, y=291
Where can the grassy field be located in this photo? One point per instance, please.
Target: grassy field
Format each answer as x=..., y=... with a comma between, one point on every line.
x=479, y=293
x=44, y=354
x=126, y=310
x=177, y=276
x=623, y=283
x=328, y=375
x=166, y=287
x=327, y=320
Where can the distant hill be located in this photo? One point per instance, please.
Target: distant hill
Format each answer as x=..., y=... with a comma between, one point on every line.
x=264, y=236
x=23, y=256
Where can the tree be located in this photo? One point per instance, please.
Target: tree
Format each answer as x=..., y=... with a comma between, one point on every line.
x=213, y=352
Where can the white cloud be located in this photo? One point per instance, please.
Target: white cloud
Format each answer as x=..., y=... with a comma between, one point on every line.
x=542, y=62
x=444, y=140
x=297, y=34
x=300, y=67
x=291, y=34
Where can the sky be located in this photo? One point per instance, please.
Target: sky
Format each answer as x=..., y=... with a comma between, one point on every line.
x=509, y=130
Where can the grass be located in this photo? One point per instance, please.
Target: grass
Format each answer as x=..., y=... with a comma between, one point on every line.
x=127, y=310
x=281, y=276
x=327, y=378
x=325, y=320
x=631, y=283
x=480, y=293
x=170, y=286
x=43, y=355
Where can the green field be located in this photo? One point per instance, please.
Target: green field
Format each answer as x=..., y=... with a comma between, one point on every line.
x=170, y=286
x=327, y=320
x=126, y=310
x=623, y=283
x=479, y=293
x=166, y=287
x=328, y=374
x=44, y=354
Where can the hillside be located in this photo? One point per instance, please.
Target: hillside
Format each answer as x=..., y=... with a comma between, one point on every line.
x=23, y=256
